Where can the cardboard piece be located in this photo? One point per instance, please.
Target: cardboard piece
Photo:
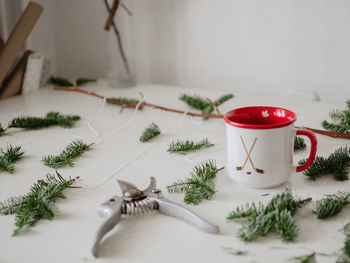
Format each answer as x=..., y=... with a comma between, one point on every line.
x=17, y=38
x=12, y=85
x=1, y=43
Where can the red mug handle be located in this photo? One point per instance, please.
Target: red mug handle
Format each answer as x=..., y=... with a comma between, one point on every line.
x=313, y=150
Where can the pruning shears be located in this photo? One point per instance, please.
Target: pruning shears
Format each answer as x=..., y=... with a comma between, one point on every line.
x=135, y=201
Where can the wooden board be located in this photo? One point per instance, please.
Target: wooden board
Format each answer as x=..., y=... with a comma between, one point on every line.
x=13, y=84
x=17, y=38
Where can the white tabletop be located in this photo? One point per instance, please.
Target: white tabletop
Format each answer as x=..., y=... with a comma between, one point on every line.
x=119, y=154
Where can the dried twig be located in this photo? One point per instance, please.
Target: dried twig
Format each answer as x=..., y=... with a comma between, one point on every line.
x=119, y=40
x=214, y=105
x=133, y=105
x=112, y=12
x=328, y=133
x=217, y=116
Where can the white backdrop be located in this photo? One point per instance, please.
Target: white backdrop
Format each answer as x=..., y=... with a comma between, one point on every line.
x=260, y=46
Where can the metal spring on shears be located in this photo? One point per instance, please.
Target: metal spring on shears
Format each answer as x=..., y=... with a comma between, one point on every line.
x=138, y=207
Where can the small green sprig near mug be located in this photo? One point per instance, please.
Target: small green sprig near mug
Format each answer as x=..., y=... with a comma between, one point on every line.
x=336, y=164
x=275, y=216
x=184, y=147
x=206, y=106
x=200, y=185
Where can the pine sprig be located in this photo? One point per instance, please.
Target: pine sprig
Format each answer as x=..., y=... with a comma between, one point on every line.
x=65, y=121
x=341, y=119
x=150, y=132
x=345, y=252
x=338, y=164
x=299, y=143
x=199, y=103
x=72, y=150
x=286, y=226
x=183, y=147
x=9, y=157
x=200, y=185
x=124, y=100
x=276, y=215
x=223, y=99
x=62, y=82
x=38, y=204
x=51, y=118
x=331, y=204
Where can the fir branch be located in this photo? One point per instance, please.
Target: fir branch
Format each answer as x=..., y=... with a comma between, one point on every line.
x=299, y=143
x=124, y=101
x=345, y=252
x=200, y=185
x=276, y=215
x=337, y=163
x=223, y=99
x=286, y=226
x=257, y=227
x=310, y=258
x=150, y=132
x=9, y=157
x=195, y=102
x=51, y=118
x=62, y=82
x=30, y=122
x=72, y=150
x=38, y=204
x=341, y=119
x=183, y=147
x=331, y=204
x=65, y=121
x=250, y=211
x=199, y=103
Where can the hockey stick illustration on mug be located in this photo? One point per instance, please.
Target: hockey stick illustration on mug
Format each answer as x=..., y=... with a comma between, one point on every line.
x=238, y=168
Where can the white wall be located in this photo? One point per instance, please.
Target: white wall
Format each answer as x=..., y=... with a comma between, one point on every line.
x=264, y=46
x=261, y=46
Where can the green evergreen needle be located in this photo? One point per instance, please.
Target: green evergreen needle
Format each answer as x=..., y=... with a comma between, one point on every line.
x=299, y=143
x=66, y=83
x=337, y=164
x=345, y=251
x=200, y=185
x=51, y=118
x=183, y=147
x=124, y=100
x=8, y=157
x=66, y=157
x=38, y=204
x=223, y=99
x=150, y=132
x=202, y=104
x=276, y=215
x=341, y=120
x=331, y=204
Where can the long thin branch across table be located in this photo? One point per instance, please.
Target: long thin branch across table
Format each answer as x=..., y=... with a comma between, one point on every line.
x=154, y=106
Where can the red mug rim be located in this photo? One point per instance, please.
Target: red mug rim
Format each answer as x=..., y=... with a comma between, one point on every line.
x=260, y=117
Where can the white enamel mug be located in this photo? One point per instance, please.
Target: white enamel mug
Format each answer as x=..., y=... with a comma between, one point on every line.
x=260, y=143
